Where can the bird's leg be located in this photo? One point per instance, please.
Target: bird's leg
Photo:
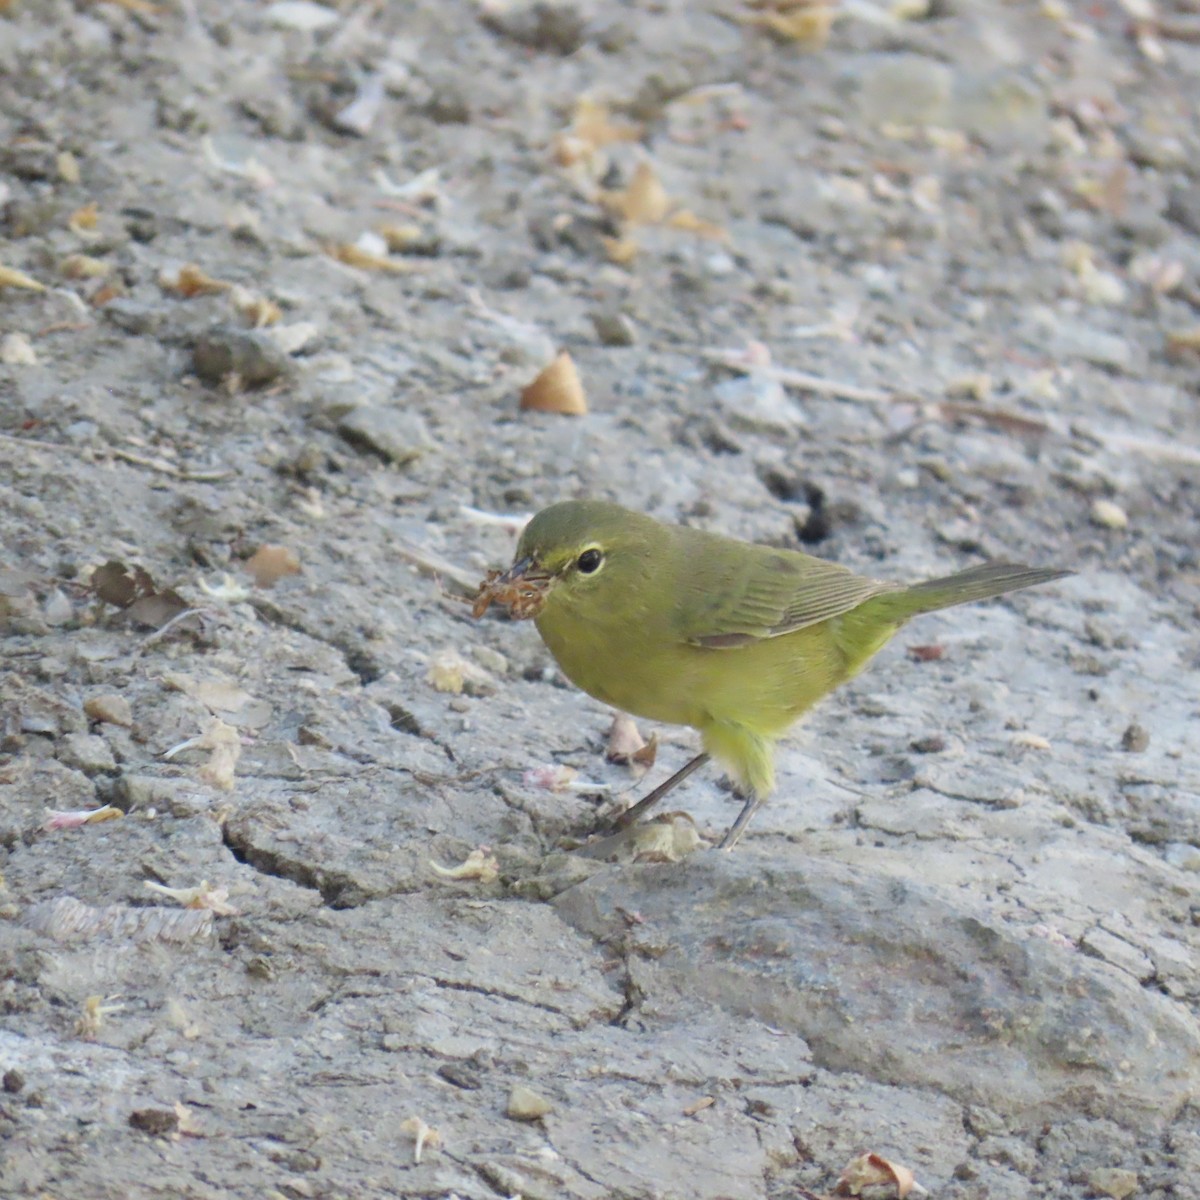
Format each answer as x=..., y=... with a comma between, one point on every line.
x=752, y=805
x=630, y=815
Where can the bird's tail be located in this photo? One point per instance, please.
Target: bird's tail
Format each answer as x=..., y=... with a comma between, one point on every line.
x=976, y=583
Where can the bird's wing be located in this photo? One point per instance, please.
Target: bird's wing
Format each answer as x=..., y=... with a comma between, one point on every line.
x=736, y=597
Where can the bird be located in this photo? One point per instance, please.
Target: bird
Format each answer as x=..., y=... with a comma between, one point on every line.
x=687, y=627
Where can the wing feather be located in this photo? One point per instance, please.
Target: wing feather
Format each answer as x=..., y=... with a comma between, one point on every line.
x=735, y=593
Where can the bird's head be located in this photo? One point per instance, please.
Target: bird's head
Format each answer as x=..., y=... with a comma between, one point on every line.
x=583, y=555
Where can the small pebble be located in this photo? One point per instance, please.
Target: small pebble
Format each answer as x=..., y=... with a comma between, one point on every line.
x=934, y=743
x=252, y=356
x=397, y=437
x=16, y=350
x=1135, y=739
x=613, y=328
x=1182, y=855
x=552, y=28
x=524, y=1104
x=1116, y=1182
x=1109, y=515
x=156, y=1121
x=109, y=708
x=87, y=753
x=301, y=15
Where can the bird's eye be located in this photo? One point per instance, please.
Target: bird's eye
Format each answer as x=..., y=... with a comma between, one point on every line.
x=589, y=561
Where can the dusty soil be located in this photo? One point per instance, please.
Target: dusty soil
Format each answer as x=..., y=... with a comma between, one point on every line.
x=964, y=935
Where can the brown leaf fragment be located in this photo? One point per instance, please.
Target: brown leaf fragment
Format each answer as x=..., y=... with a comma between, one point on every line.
x=645, y=757
x=114, y=584
x=556, y=389
x=269, y=564
x=873, y=1170
x=699, y=1105
x=154, y=611
x=624, y=740
x=144, y=582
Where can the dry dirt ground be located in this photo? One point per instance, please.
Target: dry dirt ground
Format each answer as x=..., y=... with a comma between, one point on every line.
x=963, y=936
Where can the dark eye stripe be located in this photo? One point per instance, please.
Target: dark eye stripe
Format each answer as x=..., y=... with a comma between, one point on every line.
x=589, y=561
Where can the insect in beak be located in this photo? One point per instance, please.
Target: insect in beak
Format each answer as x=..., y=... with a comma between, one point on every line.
x=521, y=589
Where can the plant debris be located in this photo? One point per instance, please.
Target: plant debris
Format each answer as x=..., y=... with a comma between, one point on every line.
x=423, y=1135
x=807, y=25
x=190, y=280
x=557, y=389
x=95, y=1010
x=480, y=864
x=57, y=819
x=226, y=746
x=133, y=590
x=204, y=896
x=269, y=564
x=522, y=597
x=10, y=277
x=875, y=1171
x=558, y=778
x=626, y=746
x=451, y=673
x=369, y=253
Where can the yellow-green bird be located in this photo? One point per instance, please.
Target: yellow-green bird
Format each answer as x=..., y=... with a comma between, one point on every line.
x=691, y=628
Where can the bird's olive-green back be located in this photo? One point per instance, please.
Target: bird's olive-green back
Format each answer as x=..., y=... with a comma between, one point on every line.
x=698, y=588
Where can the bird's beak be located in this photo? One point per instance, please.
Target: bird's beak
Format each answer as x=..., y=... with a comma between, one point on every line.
x=525, y=570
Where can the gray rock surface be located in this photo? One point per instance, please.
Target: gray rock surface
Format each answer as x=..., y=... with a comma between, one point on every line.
x=965, y=932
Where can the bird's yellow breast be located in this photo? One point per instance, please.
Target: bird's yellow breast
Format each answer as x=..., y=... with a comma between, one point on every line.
x=640, y=667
